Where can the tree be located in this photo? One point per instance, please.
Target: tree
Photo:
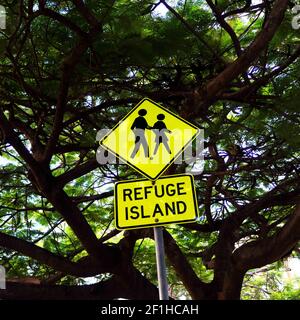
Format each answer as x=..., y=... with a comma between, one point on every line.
x=71, y=68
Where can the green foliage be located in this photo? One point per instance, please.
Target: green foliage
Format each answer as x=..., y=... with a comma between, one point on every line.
x=271, y=284
x=136, y=54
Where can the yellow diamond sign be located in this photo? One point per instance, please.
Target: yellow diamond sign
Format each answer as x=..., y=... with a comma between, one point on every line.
x=149, y=138
x=141, y=204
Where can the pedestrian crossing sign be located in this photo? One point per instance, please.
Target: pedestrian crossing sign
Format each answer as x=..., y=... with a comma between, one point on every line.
x=149, y=138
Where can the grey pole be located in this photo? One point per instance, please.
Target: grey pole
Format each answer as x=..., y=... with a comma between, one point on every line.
x=161, y=264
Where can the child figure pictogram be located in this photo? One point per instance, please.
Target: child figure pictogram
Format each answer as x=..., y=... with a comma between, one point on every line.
x=160, y=130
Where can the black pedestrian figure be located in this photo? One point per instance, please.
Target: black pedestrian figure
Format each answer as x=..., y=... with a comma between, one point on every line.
x=160, y=130
x=139, y=125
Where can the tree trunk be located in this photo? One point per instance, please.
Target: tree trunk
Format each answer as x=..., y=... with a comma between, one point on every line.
x=232, y=285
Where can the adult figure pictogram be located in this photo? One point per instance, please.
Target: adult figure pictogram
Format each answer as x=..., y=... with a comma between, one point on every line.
x=160, y=130
x=139, y=126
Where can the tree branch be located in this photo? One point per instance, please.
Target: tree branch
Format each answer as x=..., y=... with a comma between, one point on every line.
x=76, y=172
x=258, y=253
x=209, y=93
x=63, y=20
x=48, y=258
x=100, y=196
x=108, y=289
x=245, y=92
x=68, y=67
x=11, y=137
x=191, y=29
x=221, y=20
x=86, y=13
x=183, y=269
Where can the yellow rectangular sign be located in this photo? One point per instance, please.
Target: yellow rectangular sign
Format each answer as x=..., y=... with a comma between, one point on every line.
x=141, y=204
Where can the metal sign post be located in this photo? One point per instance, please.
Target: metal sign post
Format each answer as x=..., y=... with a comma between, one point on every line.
x=161, y=264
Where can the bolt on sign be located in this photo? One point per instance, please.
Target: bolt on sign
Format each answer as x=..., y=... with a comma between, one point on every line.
x=149, y=138
x=141, y=204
